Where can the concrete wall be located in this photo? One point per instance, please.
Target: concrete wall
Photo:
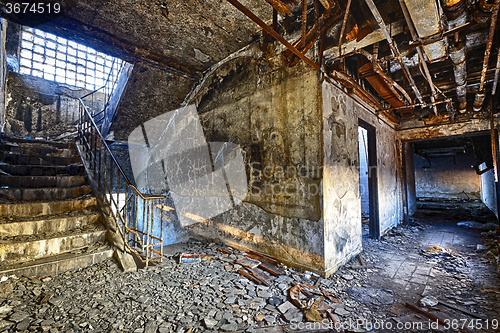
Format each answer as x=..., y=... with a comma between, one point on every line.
x=341, y=202
x=447, y=177
x=488, y=190
x=273, y=113
x=40, y=108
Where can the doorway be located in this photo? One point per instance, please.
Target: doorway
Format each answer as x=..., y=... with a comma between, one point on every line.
x=368, y=180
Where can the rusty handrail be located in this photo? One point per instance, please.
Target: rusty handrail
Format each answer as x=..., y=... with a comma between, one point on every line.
x=103, y=141
x=128, y=214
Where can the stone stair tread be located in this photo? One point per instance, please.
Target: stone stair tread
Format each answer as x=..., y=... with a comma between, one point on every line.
x=46, y=236
x=79, y=213
x=8, y=156
x=17, y=140
x=83, y=197
x=46, y=208
x=25, y=248
x=20, y=195
x=54, y=264
x=15, y=181
x=27, y=170
x=39, y=150
x=49, y=220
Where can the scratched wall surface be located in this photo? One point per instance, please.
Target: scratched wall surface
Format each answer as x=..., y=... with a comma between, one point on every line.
x=273, y=114
x=342, y=201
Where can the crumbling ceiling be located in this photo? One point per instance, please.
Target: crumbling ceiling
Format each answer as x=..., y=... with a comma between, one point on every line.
x=408, y=59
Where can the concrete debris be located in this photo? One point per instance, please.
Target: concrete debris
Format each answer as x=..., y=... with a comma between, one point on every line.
x=477, y=225
x=429, y=301
x=126, y=261
x=174, y=297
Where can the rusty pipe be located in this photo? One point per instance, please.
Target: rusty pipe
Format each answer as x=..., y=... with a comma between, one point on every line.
x=415, y=105
x=480, y=94
x=497, y=71
x=423, y=63
x=394, y=49
x=458, y=57
x=343, y=26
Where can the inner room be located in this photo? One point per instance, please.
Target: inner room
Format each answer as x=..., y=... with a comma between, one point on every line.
x=249, y=166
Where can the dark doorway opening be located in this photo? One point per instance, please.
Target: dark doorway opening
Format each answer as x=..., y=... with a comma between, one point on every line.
x=368, y=178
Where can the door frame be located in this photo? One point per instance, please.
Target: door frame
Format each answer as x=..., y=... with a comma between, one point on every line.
x=374, y=222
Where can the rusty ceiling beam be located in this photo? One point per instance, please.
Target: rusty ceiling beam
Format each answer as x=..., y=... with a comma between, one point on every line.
x=421, y=58
x=324, y=22
x=348, y=7
x=279, y=6
x=394, y=48
x=352, y=84
x=273, y=33
x=415, y=105
x=304, y=22
x=480, y=94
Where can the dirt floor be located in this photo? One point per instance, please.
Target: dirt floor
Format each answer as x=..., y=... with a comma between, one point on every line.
x=431, y=257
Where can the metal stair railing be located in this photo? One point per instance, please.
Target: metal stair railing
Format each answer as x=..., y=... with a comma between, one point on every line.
x=137, y=214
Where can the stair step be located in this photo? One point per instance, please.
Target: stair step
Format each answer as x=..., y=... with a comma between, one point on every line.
x=16, y=251
x=30, y=142
x=38, y=150
x=57, y=264
x=37, y=209
x=24, y=159
x=14, y=228
x=44, y=194
x=42, y=181
x=43, y=170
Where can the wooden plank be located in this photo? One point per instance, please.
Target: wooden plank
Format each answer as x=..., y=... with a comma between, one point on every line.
x=260, y=275
x=248, y=276
x=225, y=251
x=454, y=307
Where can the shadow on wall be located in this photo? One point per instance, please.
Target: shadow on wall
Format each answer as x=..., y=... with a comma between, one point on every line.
x=169, y=154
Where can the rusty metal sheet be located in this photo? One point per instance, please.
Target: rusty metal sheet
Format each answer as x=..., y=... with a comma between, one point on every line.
x=436, y=51
x=425, y=17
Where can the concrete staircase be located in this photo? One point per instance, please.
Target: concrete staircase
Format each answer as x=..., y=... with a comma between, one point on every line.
x=49, y=220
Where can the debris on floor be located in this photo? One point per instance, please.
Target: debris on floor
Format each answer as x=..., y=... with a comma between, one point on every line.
x=231, y=290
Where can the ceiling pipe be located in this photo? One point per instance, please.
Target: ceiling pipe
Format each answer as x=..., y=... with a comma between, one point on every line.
x=394, y=48
x=456, y=12
x=458, y=57
x=497, y=71
x=480, y=94
x=414, y=36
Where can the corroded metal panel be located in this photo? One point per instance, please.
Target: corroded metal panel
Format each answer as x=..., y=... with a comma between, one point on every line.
x=425, y=17
x=436, y=51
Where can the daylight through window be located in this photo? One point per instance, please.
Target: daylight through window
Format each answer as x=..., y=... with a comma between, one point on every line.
x=61, y=60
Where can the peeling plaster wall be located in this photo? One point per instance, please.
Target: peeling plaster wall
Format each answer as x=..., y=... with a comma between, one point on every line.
x=273, y=114
x=342, y=202
x=447, y=178
x=150, y=92
x=41, y=108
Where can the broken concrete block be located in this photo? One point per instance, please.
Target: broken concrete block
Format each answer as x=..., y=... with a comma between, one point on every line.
x=126, y=261
x=116, y=239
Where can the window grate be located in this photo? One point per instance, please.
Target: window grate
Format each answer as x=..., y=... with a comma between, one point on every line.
x=57, y=59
